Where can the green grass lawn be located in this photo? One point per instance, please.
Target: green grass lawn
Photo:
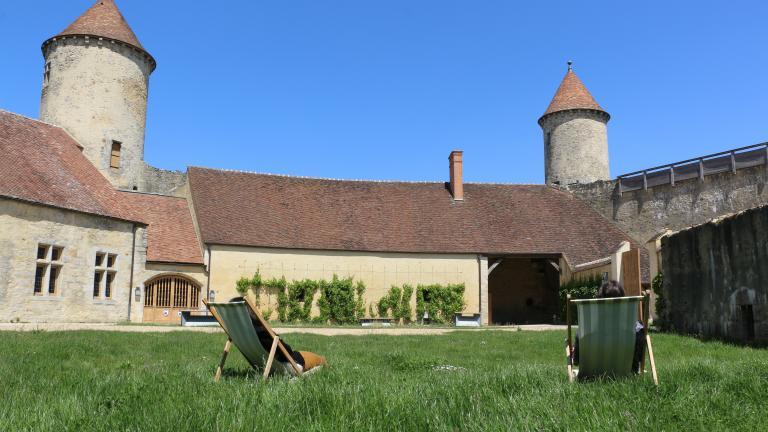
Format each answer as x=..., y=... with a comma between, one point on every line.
x=504, y=381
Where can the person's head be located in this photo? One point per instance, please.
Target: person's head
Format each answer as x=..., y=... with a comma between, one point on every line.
x=610, y=289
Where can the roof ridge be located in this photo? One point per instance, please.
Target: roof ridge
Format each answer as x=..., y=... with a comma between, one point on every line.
x=149, y=193
x=314, y=178
x=357, y=180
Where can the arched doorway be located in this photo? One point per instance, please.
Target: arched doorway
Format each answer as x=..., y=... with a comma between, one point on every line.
x=166, y=296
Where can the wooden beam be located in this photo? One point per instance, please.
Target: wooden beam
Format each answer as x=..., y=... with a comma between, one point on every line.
x=672, y=175
x=494, y=265
x=219, y=369
x=271, y=358
x=645, y=180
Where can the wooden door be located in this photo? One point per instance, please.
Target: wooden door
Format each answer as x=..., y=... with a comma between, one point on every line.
x=167, y=296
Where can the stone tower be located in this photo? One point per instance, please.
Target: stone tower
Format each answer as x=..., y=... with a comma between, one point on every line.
x=95, y=86
x=575, y=135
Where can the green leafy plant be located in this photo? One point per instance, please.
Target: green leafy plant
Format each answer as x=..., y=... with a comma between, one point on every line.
x=440, y=302
x=337, y=302
x=579, y=288
x=661, y=306
x=405, y=304
x=254, y=283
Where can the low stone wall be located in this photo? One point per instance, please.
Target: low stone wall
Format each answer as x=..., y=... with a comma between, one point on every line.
x=716, y=278
x=156, y=180
x=643, y=214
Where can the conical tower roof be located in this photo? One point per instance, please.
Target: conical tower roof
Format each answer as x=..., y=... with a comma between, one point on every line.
x=572, y=94
x=105, y=20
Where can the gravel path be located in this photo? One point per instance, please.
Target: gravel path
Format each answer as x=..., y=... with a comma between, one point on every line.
x=324, y=331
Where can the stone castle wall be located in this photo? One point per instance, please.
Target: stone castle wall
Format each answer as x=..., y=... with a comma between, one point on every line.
x=160, y=181
x=716, y=278
x=643, y=214
x=575, y=146
x=97, y=90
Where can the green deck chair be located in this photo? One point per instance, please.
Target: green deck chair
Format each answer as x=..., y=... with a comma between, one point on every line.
x=235, y=319
x=606, y=332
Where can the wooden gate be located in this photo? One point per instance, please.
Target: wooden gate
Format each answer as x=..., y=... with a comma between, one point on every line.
x=165, y=297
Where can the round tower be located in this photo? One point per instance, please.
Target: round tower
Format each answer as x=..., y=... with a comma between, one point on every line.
x=575, y=135
x=95, y=86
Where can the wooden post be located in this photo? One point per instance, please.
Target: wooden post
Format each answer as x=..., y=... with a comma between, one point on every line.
x=271, y=358
x=569, y=352
x=672, y=175
x=701, y=169
x=219, y=369
x=621, y=187
x=645, y=180
x=733, y=162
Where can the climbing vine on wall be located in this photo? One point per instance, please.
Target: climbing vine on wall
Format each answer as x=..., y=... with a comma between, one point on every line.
x=340, y=302
x=439, y=302
x=661, y=306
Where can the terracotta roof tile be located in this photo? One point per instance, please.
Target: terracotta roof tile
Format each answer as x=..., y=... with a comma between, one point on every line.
x=103, y=19
x=572, y=94
x=287, y=212
x=171, y=233
x=42, y=163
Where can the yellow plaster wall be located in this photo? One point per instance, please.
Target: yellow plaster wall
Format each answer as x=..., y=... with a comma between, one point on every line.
x=379, y=271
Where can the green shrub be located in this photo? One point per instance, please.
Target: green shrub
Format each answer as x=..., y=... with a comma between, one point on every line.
x=441, y=302
x=301, y=296
x=337, y=302
x=661, y=306
x=582, y=288
x=405, y=304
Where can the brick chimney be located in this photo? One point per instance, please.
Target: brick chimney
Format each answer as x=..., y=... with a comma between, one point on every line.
x=457, y=186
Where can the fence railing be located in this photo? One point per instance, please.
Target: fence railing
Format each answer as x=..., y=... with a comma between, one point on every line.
x=730, y=160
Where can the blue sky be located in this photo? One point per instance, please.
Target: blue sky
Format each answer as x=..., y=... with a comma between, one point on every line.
x=386, y=89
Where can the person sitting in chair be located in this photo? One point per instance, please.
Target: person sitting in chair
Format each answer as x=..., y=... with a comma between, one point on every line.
x=613, y=289
x=305, y=359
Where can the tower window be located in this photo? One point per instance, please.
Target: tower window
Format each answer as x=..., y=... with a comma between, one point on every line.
x=47, y=73
x=114, y=159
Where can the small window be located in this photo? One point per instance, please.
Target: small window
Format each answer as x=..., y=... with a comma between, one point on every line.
x=53, y=280
x=47, y=73
x=114, y=159
x=39, y=275
x=97, y=277
x=48, y=270
x=104, y=275
x=56, y=253
x=108, y=285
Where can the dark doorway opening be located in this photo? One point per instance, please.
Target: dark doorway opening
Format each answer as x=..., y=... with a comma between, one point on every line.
x=523, y=290
x=748, y=322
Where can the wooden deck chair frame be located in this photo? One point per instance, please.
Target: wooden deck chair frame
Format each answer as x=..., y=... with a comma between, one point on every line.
x=644, y=313
x=276, y=343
